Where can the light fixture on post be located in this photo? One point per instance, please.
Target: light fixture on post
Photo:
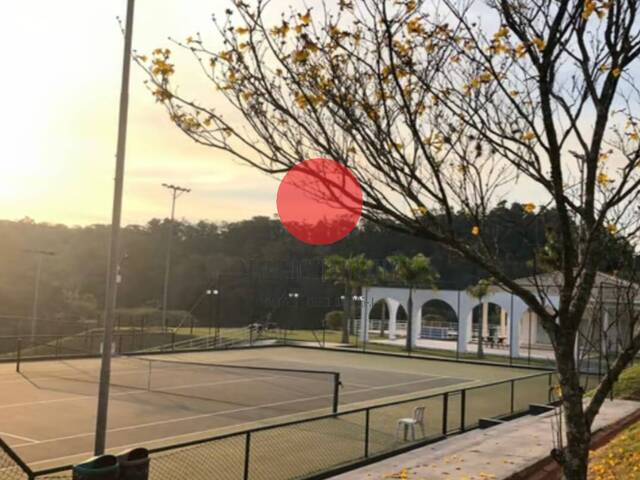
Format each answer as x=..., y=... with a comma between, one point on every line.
x=294, y=296
x=214, y=292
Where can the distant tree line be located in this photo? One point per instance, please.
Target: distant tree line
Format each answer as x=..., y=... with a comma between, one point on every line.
x=253, y=263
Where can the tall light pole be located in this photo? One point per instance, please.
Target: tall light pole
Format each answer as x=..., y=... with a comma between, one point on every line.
x=114, y=246
x=213, y=292
x=295, y=296
x=36, y=289
x=176, y=191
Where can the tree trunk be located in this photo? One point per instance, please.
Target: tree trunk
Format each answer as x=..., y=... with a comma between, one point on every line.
x=346, y=309
x=409, y=343
x=575, y=457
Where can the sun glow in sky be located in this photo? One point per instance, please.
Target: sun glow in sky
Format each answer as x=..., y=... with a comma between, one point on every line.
x=60, y=119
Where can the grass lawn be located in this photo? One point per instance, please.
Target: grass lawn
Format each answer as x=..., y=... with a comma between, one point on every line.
x=620, y=458
x=628, y=386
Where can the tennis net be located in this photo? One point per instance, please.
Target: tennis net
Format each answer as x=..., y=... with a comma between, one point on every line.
x=283, y=390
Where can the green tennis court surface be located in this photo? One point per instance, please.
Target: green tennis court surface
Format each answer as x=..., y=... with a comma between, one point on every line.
x=48, y=409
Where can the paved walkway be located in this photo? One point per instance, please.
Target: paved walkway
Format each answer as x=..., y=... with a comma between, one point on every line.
x=495, y=453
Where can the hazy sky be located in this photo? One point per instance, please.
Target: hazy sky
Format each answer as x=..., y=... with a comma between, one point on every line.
x=61, y=80
x=61, y=85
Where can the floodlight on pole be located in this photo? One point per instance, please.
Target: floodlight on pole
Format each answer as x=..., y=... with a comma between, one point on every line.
x=214, y=292
x=176, y=191
x=295, y=296
x=36, y=290
x=114, y=245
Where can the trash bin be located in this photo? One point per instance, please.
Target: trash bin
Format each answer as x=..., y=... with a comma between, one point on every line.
x=104, y=467
x=134, y=464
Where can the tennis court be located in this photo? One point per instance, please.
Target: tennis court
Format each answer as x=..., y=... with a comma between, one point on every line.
x=48, y=409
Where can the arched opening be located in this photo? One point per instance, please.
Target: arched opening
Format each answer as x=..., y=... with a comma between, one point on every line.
x=402, y=319
x=439, y=321
x=379, y=317
x=489, y=325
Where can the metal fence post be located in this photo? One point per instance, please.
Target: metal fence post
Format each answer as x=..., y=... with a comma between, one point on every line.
x=513, y=388
x=336, y=392
x=366, y=432
x=173, y=340
x=247, y=450
x=463, y=408
x=549, y=396
x=18, y=353
x=445, y=412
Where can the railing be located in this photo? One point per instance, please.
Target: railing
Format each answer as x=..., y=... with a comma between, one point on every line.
x=321, y=445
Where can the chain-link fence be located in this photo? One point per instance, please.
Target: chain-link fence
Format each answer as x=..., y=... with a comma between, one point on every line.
x=312, y=447
x=11, y=467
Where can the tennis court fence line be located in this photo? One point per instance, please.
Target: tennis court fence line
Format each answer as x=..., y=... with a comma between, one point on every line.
x=324, y=445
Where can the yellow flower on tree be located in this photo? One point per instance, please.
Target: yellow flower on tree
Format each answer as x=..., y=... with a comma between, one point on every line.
x=603, y=179
x=161, y=67
x=616, y=72
x=635, y=136
x=502, y=33
x=421, y=210
x=529, y=207
x=589, y=8
x=475, y=230
x=301, y=101
x=415, y=26
x=242, y=30
x=529, y=136
x=612, y=228
x=226, y=56
x=306, y=18
x=280, y=31
x=498, y=47
x=301, y=56
x=486, y=77
x=540, y=43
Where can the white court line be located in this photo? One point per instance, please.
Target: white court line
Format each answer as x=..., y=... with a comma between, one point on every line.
x=218, y=413
x=133, y=392
x=31, y=440
x=43, y=374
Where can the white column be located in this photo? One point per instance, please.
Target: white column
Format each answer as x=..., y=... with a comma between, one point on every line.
x=503, y=323
x=364, y=315
x=463, y=327
x=518, y=310
x=416, y=325
x=484, y=330
x=393, y=312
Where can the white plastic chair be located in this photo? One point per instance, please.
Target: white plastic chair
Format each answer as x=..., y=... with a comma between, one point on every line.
x=409, y=424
